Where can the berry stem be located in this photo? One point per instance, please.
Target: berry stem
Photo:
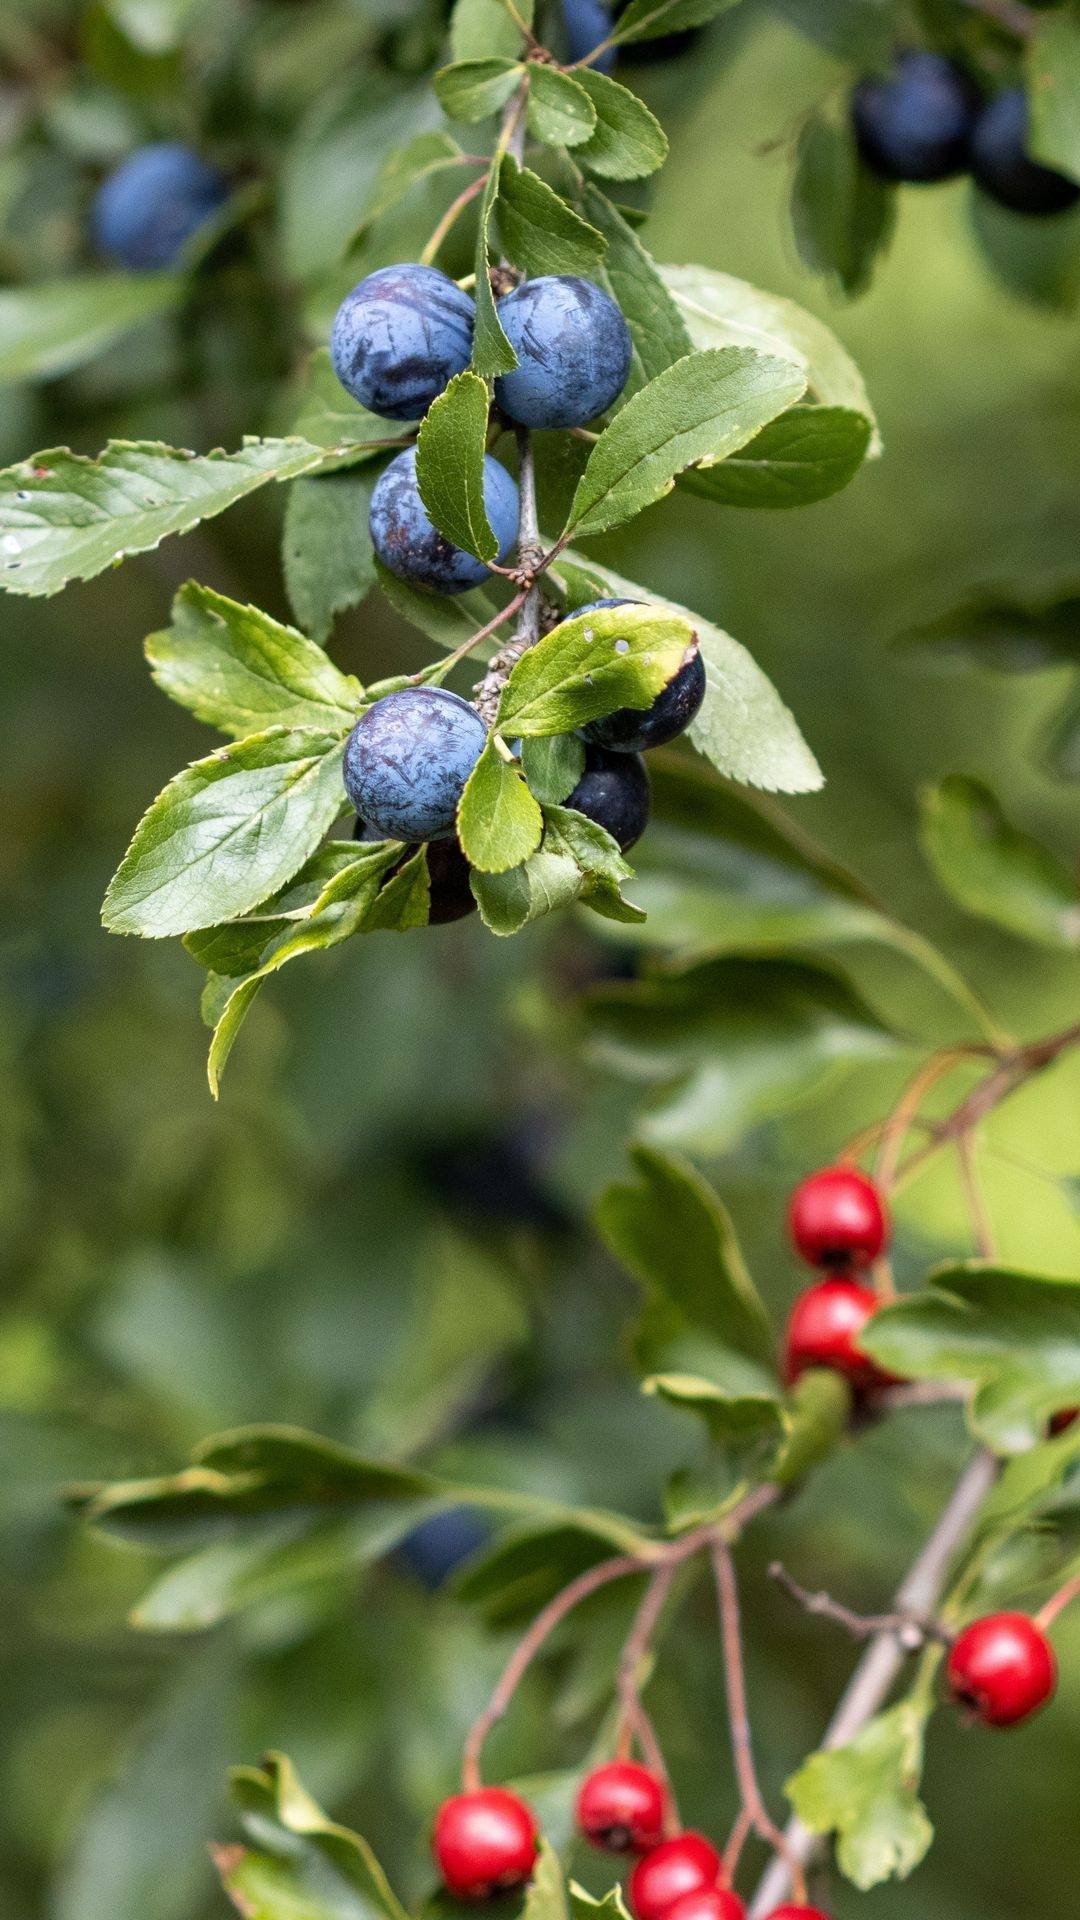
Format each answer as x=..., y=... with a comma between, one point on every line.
x=634, y=1719
x=1057, y=1603
x=920, y=1594
x=753, y=1803
x=981, y=1223
x=450, y=217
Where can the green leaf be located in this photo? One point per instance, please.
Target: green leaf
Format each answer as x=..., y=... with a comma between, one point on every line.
x=993, y=869
x=701, y=409
x=237, y=946
x=817, y=1418
x=446, y=620
x=868, y=1794
x=1038, y=260
x=647, y=19
x=492, y=353
x=227, y=832
x=576, y=860
x=553, y=763
x=670, y=1229
x=499, y=823
x=842, y=215
x=747, y=1427
x=480, y=29
x=1053, y=92
x=631, y=276
x=743, y=727
x=628, y=141
x=66, y=517
x=330, y=418
x=1016, y=1335
x=721, y=311
x=545, y=1895
x=331, y=1869
x=808, y=454
x=421, y=158
x=731, y=1044
x=59, y=325
x=450, y=465
x=474, y=90
x=539, y=231
x=560, y=112
x=405, y=901
x=237, y=669
x=591, y=664
x=328, y=556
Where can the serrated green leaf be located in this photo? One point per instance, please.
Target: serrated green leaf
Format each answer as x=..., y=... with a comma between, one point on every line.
x=842, y=214
x=227, y=832
x=450, y=465
x=238, y=670
x=628, y=141
x=701, y=409
x=419, y=159
x=633, y=279
x=499, y=823
x=540, y=231
x=591, y=664
x=326, y=547
x=646, y=19
x=330, y=418
x=993, y=869
x=474, y=90
x=671, y=1231
x=237, y=946
x=66, y=517
x=492, y=353
x=448, y=620
x=576, y=860
x=868, y=1794
x=808, y=454
x=1014, y=1334
x=1053, y=92
x=553, y=763
x=560, y=112
x=53, y=328
x=743, y=727
x=480, y=29
x=404, y=903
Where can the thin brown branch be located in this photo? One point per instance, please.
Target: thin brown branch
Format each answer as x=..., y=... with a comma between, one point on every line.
x=913, y=1632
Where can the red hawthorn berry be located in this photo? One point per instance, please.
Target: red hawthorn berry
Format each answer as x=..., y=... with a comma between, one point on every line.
x=707, y=1903
x=838, y=1219
x=824, y=1329
x=1002, y=1668
x=484, y=1842
x=621, y=1808
x=798, y=1913
x=674, y=1868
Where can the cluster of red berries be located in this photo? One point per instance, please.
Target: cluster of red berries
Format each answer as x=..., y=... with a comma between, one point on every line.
x=839, y=1223
x=485, y=1842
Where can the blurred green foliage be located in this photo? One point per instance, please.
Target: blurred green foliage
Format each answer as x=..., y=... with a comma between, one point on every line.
x=383, y=1230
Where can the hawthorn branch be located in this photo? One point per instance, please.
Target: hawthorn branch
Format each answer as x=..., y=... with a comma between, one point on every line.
x=919, y=1594
x=912, y=1630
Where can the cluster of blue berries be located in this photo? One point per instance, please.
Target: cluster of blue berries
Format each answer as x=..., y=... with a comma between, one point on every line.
x=929, y=120
x=148, y=209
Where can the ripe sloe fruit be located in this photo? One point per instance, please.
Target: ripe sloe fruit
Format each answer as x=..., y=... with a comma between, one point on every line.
x=614, y=791
x=407, y=760
x=152, y=204
x=573, y=348
x=916, y=125
x=407, y=542
x=587, y=23
x=399, y=337
x=437, y=1547
x=1003, y=167
x=634, y=729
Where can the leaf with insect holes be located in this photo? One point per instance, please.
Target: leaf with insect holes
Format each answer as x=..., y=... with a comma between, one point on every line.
x=499, y=823
x=64, y=516
x=492, y=353
x=628, y=141
x=227, y=832
x=450, y=465
x=239, y=670
x=560, y=112
x=701, y=409
x=540, y=231
x=992, y=869
x=473, y=90
x=591, y=664
x=867, y=1793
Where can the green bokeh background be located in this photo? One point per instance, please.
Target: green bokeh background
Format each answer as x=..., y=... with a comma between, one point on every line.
x=315, y=1247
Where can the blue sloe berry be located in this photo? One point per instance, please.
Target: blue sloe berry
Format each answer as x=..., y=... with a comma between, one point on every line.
x=152, y=204
x=573, y=349
x=916, y=124
x=451, y=896
x=438, y=1547
x=407, y=760
x=614, y=792
x=409, y=544
x=587, y=23
x=399, y=337
x=635, y=729
x=1004, y=169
